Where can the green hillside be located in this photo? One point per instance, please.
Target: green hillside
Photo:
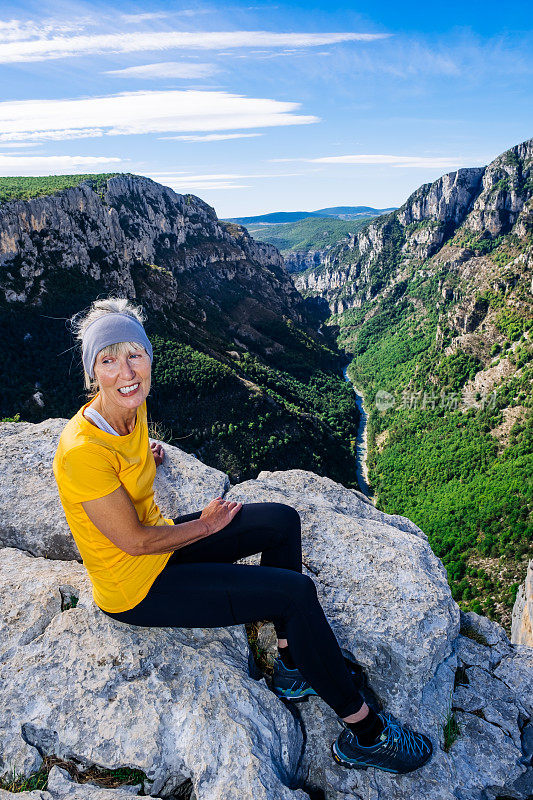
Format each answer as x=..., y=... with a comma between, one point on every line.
x=457, y=463
x=340, y=212
x=24, y=188
x=241, y=414
x=313, y=233
x=434, y=307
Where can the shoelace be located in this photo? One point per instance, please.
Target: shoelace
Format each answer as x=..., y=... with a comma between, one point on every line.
x=279, y=662
x=404, y=738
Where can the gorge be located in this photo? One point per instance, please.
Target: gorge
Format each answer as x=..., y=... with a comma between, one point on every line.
x=432, y=305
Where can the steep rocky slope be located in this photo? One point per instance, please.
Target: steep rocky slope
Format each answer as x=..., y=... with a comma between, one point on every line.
x=433, y=301
x=239, y=371
x=136, y=234
x=522, y=626
x=467, y=210
x=305, y=243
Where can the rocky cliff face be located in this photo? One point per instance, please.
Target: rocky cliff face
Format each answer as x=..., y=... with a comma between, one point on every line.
x=300, y=260
x=436, y=299
x=229, y=329
x=188, y=707
x=141, y=238
x=444, y=222
x=522, y=624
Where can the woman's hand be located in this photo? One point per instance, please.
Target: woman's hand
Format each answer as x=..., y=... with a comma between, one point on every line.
x=159, y=453
x=219, y=513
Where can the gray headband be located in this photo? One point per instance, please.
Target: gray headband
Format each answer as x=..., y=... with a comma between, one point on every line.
x=109, y=329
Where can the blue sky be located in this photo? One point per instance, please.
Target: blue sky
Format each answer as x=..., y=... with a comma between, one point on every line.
x=260, y=107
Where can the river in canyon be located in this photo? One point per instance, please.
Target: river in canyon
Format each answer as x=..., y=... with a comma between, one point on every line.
x=361, y=469
x=361, y=441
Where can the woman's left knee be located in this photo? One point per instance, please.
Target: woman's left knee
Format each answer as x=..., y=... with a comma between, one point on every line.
x=288, y=514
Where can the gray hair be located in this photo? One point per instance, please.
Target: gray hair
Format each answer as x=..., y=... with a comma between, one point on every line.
x=99, y=308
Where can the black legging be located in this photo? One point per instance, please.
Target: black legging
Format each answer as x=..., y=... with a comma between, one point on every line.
x=201, y=587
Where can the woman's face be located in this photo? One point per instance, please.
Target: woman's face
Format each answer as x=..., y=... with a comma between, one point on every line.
x=124, y=380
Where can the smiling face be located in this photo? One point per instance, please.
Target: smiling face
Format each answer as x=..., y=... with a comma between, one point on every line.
x=123, y=373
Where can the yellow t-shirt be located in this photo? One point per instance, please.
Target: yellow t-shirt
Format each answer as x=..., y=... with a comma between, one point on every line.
x=91, y=463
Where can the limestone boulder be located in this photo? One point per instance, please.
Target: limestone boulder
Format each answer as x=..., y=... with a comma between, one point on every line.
x=176, y=703
x=384, y=591
x=182, y=705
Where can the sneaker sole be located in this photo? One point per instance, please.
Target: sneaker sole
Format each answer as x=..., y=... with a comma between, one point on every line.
x=357, y=765
x=344, y=763
x=298, y=698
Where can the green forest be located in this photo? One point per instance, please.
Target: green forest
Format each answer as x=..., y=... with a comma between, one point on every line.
x=433, y=457
x=242, y=413
x=24, y=188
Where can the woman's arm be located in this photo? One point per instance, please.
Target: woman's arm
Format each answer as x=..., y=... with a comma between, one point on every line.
x=115, y=516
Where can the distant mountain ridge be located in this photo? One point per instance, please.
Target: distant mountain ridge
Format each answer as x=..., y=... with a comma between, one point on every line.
x=340, y=212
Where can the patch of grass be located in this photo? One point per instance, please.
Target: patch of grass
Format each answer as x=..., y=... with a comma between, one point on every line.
x=158, y=431
x=109, y=778
x=25, y=188
x=260, y=655
x=451, y=730
x=20, y=783
x=72, y=602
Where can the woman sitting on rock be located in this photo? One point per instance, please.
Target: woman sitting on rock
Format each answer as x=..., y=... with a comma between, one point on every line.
x=151, y=571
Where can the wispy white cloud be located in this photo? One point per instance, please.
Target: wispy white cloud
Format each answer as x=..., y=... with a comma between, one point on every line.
x=261, y=55
x=62, y=46
x=51, y=135
x=183, y=182
x=143, y=112
x=211, y=137
x=393, y=161
x=16, y=30
x=49, y=165
x=197, y=183
x=12, y=145
x=166, y=69
x=210, y=176
x=407, y=57
x=202, y=186
x=145, y=17
x=438, y=162
x=417, y=59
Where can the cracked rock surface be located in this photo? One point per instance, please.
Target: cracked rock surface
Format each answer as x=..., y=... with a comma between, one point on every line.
x=173, y=702
x=180, y=704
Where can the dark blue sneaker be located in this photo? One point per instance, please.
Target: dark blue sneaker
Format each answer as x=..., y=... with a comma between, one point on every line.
x=289, y=684
x=399, y=749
